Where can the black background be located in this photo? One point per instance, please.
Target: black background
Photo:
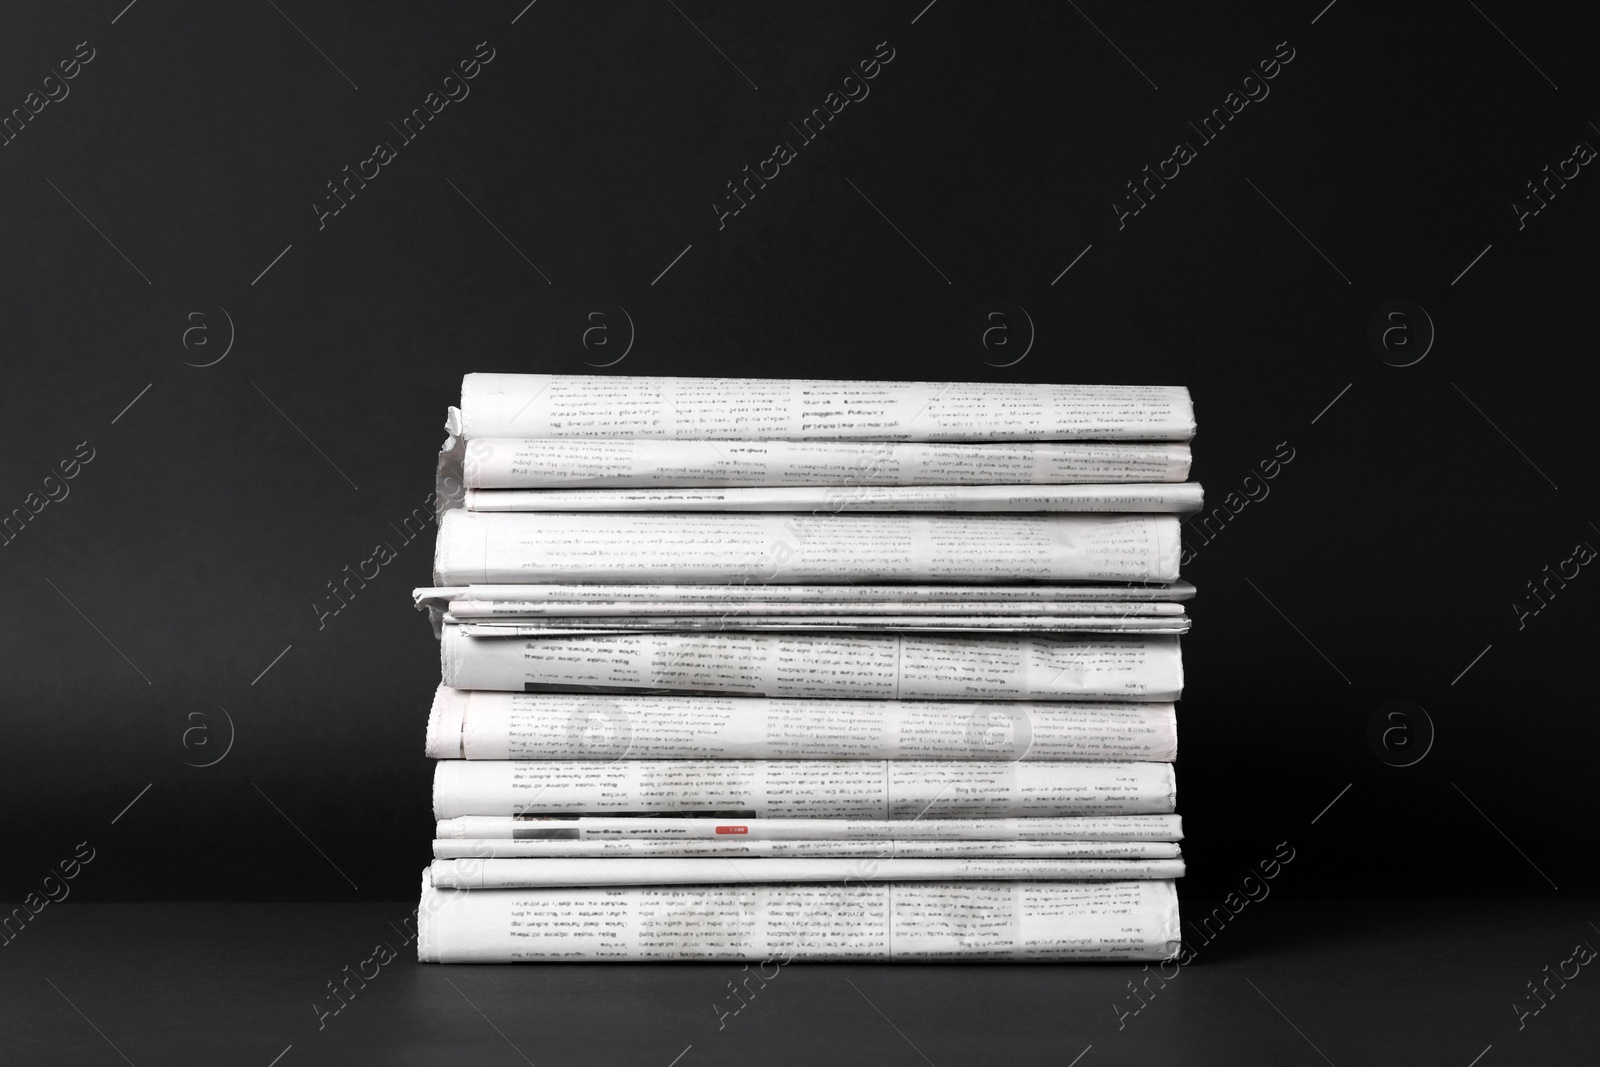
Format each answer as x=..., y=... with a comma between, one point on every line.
x=191, y=549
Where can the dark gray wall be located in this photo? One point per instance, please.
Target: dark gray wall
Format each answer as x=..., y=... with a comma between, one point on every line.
x=187, y=555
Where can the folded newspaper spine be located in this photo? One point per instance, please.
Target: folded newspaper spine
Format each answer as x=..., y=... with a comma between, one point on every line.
x=802, y=789
x=731, y=409
x=584, y=599
x=737, y=848
x=762, y=670
x=875, y=666
x=841, y=624
x=1101, y=828
x=673, y=547
x=526, y=873
x=485, y=725
x=624, y=463
x=775, y=924
x=830, y=500
x=521, y=611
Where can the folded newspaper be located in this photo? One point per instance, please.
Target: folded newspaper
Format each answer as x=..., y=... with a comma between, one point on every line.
x=1086, y=607
x=861, y=666
x=579, y=599
x=515, y=610
x=629, y=463
x=798, y=624
x=830, y=500
x=670, y=826
x=522, y=873
x=803, y=789
x=731, y=847
x=775, y=924
x=604, y=407
x=672, y=548
x=486, y=725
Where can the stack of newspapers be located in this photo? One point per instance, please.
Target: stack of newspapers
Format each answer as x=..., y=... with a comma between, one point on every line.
x=769, y=669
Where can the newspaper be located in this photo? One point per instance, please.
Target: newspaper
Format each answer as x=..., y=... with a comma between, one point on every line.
x=731, y=847
x=630, y=463
x=516, y=547
x=483, y=601
x=475, y=724
x=875, y=666
x=802, y=789
x=730, y=601
x=1013, y=624
x=830, y=500
x=774, y=924
x=626, y=599
x=675, y=828
x=677, y=870
x=759, y=409
x=463, y=610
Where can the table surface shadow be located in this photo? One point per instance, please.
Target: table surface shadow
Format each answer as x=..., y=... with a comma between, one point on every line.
x=1280, y=982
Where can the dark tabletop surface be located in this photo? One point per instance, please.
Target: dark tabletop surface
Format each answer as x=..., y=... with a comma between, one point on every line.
x=1283, y=982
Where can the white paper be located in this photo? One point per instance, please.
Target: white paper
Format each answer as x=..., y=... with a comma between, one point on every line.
x=625, y=599
x=520, y=547
x=477, y=724
x=675, y=870
x=737, y=847
x=774, y=924
x=802, y=789
x=464, y=610
x=877, y=666
x=824, y=624
x=632, y=463
x=831, y=500
x=675, y=828
x=723, y=409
